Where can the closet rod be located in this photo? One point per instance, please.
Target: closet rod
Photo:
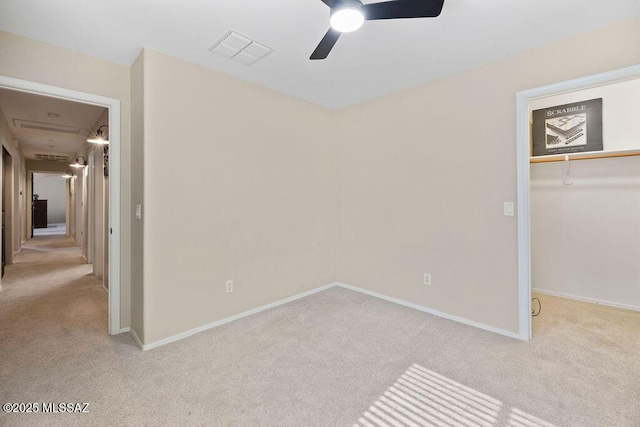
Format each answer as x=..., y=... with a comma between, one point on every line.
x=580, y=156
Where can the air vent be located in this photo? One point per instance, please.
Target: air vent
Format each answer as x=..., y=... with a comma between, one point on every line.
x=51, y=157
x=51, y=127
x=240, y=48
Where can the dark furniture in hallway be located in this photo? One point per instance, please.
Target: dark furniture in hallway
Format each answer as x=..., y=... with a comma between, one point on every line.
x=40, y=214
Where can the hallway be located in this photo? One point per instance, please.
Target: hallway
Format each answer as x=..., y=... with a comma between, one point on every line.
x=50, y=306
x=49, y=275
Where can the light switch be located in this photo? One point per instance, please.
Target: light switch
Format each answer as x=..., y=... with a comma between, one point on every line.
x=138, y=211
x=508, y=209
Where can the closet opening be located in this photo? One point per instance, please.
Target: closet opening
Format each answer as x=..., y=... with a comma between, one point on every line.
x=579, y=206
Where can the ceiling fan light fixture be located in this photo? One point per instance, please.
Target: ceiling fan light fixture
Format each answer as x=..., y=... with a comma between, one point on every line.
x=347, y=19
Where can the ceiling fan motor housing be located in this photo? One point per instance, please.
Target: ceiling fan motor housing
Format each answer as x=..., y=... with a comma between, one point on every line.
x=347, y=15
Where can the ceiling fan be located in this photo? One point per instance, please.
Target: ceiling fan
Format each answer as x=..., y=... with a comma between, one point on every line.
x=349, y=15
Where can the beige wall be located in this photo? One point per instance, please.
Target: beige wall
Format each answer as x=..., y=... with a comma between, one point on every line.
x=239, y=184
x=423, y=173
x=44, y=63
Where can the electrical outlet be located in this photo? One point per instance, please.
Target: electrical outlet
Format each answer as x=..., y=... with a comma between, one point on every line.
x=427, y=279
x=229, y=286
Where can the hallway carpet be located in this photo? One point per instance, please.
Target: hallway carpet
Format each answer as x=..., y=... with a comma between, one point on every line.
x=51, y=230
x=337, y=358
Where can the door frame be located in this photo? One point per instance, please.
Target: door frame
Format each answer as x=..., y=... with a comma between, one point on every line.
x=5, y=155
x=523, y=175
x=113, y=105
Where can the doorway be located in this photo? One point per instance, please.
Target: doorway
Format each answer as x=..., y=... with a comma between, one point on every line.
x=49, y=204
x=113, y=191
x=523, y=100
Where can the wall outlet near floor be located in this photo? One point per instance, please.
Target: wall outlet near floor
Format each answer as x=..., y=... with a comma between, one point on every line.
x=427, y=279
x=229, y=286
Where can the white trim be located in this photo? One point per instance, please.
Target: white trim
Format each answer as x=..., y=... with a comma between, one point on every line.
x=133, y=334
x=193, y=331
x=113, y=231
x=524, y=223
x=585, y=299
x=182, y=335
x=523, y=184
x=429, y=311
x=114, y=175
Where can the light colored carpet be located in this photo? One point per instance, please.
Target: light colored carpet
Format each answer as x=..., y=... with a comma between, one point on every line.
x=337, y=358
x=51, y=230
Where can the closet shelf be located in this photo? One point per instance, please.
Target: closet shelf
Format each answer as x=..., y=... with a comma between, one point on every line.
x=584, y=156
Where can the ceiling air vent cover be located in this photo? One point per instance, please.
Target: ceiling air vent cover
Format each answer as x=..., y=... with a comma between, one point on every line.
x=240, y=48
x=50, y=127
x=51, y=157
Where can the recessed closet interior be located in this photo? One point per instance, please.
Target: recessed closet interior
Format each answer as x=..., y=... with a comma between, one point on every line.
x=585, y=205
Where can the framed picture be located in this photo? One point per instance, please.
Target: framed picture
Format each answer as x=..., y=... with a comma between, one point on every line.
x=568, y=128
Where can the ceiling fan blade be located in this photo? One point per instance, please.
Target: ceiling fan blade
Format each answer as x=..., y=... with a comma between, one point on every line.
x=329, y=3
x=403, y=9
x=326, y=44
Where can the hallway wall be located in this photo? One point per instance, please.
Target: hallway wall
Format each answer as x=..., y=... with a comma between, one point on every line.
x=16, y=197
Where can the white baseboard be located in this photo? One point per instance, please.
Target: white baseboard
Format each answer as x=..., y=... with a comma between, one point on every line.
x=430, y=311
x=124, y=330
x=221, y=322
x=133, y=334
x=585, y=299
x=190, y=332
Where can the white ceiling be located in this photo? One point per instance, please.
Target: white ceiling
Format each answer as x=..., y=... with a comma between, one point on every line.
x=380, y=58
x=33, y=109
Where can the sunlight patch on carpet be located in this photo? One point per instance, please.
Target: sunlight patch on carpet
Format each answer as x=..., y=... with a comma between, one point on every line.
x=423, y=398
